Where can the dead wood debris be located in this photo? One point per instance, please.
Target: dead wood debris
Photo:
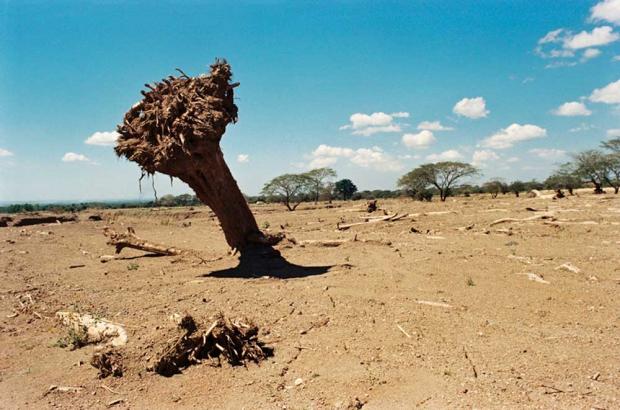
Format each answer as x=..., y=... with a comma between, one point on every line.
x=131, y=240
x=234, y=341
x=88, y=329
x=531, y=218
x=109, y=362
x=38, y=219
x=388, y=218
x=63, y=389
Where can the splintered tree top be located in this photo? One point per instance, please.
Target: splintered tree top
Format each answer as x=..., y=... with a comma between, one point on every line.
x=179, y=122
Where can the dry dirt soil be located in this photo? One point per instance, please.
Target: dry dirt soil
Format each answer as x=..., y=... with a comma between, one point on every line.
x=438, y=309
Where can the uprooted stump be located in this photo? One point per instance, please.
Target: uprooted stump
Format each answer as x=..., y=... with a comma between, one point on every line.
x=234, y=342
x=109, y=362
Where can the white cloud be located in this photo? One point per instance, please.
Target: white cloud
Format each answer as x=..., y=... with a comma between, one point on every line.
x=552, y=37
x=558, y=64
x=329, y=151
x=322, y=162
x=421, y=140
x=512, y=159
x=103, y=138
x=377, y=122
x=563, y=44
x=616, y=58
x=482, y=156
x=610, y=94
x=433, y=126
x=548, y=153
x=449, y=155
x=613, y=133
x=599, y=36
x=5, y=153
x=73, y=157
x=582, y=127
x=375, y=157
x=590, y=53
x=514, y=133
x=471, y=108
x=606, y=10
x=243, y=158
x=572, y=109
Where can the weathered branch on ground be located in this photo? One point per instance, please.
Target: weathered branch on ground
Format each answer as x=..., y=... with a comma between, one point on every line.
x=531, y=218
x=388, y=218
x=130, y=240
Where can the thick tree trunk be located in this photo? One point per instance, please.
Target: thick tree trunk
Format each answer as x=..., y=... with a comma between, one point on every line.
x=215, y=186
x=597, y=188
x=570, y=191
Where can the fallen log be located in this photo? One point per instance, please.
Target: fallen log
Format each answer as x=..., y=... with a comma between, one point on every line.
x=43, y=219
x=130, y=240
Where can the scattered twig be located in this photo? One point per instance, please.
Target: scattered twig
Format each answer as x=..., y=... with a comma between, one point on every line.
x=473, y=367
x=403, y=330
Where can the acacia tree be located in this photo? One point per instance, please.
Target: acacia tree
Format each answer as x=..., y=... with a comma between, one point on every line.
x=591, y=166
x=318, y=178
x=612, y=145
x=289, y=188
x=345, y=188
x=494, y=187
x=176, y=130
x=516, y=187
x=564, y=178
x=441, y=175
x=612, y=163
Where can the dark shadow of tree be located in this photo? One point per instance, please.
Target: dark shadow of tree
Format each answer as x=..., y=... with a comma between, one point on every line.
x=257, y=263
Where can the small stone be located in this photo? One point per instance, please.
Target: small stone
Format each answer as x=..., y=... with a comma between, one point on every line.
x=299, y=381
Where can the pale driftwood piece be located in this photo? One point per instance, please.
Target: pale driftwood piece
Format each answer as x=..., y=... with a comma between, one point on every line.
x=531, y=218
x=565, y=222
x=534, y=277
x=437, y=304
x=130, y=240
x=439, y=213
x=97, y=330
x=347, y=226
x=403, y=330
x=328, y=243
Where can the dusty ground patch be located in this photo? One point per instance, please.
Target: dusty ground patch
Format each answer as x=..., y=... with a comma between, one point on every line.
x=437, y=309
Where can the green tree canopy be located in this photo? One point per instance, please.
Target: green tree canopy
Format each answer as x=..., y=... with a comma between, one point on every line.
x=289, y=188
x=441, y=175
x=319, y=178
x=345, y=188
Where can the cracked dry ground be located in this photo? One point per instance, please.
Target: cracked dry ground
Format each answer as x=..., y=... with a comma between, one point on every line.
x=432, y=317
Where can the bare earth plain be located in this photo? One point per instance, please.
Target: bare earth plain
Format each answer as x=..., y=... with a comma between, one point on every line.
x=438, y=309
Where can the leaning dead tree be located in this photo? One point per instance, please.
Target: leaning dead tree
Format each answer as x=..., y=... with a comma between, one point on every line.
x=176, y=130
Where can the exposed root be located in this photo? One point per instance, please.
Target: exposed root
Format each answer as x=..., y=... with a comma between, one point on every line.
x=235, y=342
x=109, y=362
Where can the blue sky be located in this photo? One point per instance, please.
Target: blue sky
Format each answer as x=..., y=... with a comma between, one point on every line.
x=355, y=85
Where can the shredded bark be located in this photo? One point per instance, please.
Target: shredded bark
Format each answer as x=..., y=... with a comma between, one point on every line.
x=235, y=342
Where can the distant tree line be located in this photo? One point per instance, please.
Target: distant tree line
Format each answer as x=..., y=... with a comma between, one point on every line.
x=597, y=168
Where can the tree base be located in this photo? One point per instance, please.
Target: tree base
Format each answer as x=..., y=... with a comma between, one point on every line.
x=257, y=261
